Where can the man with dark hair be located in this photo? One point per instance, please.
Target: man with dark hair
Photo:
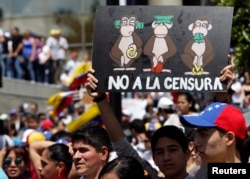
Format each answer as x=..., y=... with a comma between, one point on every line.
x=138, y=130
x=170, y=151
x=91, y=148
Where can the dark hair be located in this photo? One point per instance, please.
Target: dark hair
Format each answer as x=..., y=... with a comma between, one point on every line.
x=125, y=167
x=138, y=125
x=189, y=99
x=63, y=135
x=60, y=153
x=32, y=116
x=22, y=152
x=171, y=132
x=189, y=133
x=95, y=136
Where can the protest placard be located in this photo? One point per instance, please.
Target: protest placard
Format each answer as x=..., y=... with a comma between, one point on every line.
x=161, y=48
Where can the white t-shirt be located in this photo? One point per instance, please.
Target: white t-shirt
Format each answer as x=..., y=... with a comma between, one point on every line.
x=72, y=65
x=57, y=47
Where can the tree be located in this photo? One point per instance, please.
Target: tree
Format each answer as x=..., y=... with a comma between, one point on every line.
x=240, y=37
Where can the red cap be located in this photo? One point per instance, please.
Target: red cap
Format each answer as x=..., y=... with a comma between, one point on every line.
x=221, y=115
x=47, y=124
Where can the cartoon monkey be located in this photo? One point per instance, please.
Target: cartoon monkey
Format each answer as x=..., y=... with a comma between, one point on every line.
x=160, y=46
x=127, y=48
x=199, y=51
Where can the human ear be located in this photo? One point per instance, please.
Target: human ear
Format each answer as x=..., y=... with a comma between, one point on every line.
x=104, y=153
x=61, y=168
x=230, y=138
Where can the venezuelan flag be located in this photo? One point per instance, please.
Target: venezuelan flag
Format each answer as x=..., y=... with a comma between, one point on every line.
x=61, y=100
x=79, y=76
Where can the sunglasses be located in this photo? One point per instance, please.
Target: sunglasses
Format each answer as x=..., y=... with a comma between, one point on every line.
x=8, y=161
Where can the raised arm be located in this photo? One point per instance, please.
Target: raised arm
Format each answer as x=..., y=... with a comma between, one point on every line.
x=113, y=127
x=112, y=124
x=35, y=150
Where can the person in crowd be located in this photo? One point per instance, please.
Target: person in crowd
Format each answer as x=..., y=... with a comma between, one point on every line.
x=73, y=62
x=245, y=91
x=236, y=93
x=170, y=151
x=194, y=160
x=186, y=104
x=33, y=107
x=79, y=109
x=221, y=135
x=61, y=137
x=29, y=54
x=141, y=142
x=16, y=163
x=5, y=139
x=58, y=46
x=147, y=155
x=39, y=41
x=64, y=78
x=138, y=130
x=123, y=168
x=167, y=112
x=125, y=121
x=45, y=63
x=9, y=66
x=50, y=160
x=15, y=52
x=2, y=64
x=33, y=122
x=91, y=149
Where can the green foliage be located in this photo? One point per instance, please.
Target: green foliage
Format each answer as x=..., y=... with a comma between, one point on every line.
x=240, y=37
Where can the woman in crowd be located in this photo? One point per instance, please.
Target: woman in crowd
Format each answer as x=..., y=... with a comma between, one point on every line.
x=186, y=104
x=51, y=160
x=16, y=163
x=123, y=168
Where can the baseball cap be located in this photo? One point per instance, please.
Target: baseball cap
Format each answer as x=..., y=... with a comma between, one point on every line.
x=222, y=115
x=165, y=103
x=46, y=124
x=4, y=117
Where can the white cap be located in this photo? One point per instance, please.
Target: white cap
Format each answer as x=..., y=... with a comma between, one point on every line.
x=165, y=103
x=26, y=133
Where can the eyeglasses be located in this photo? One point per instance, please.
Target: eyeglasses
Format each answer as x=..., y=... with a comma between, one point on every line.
x=8, y=161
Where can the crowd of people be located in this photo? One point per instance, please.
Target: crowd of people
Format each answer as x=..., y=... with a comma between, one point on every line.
x=175, y=138
x=167, y=135
x=28, y=56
